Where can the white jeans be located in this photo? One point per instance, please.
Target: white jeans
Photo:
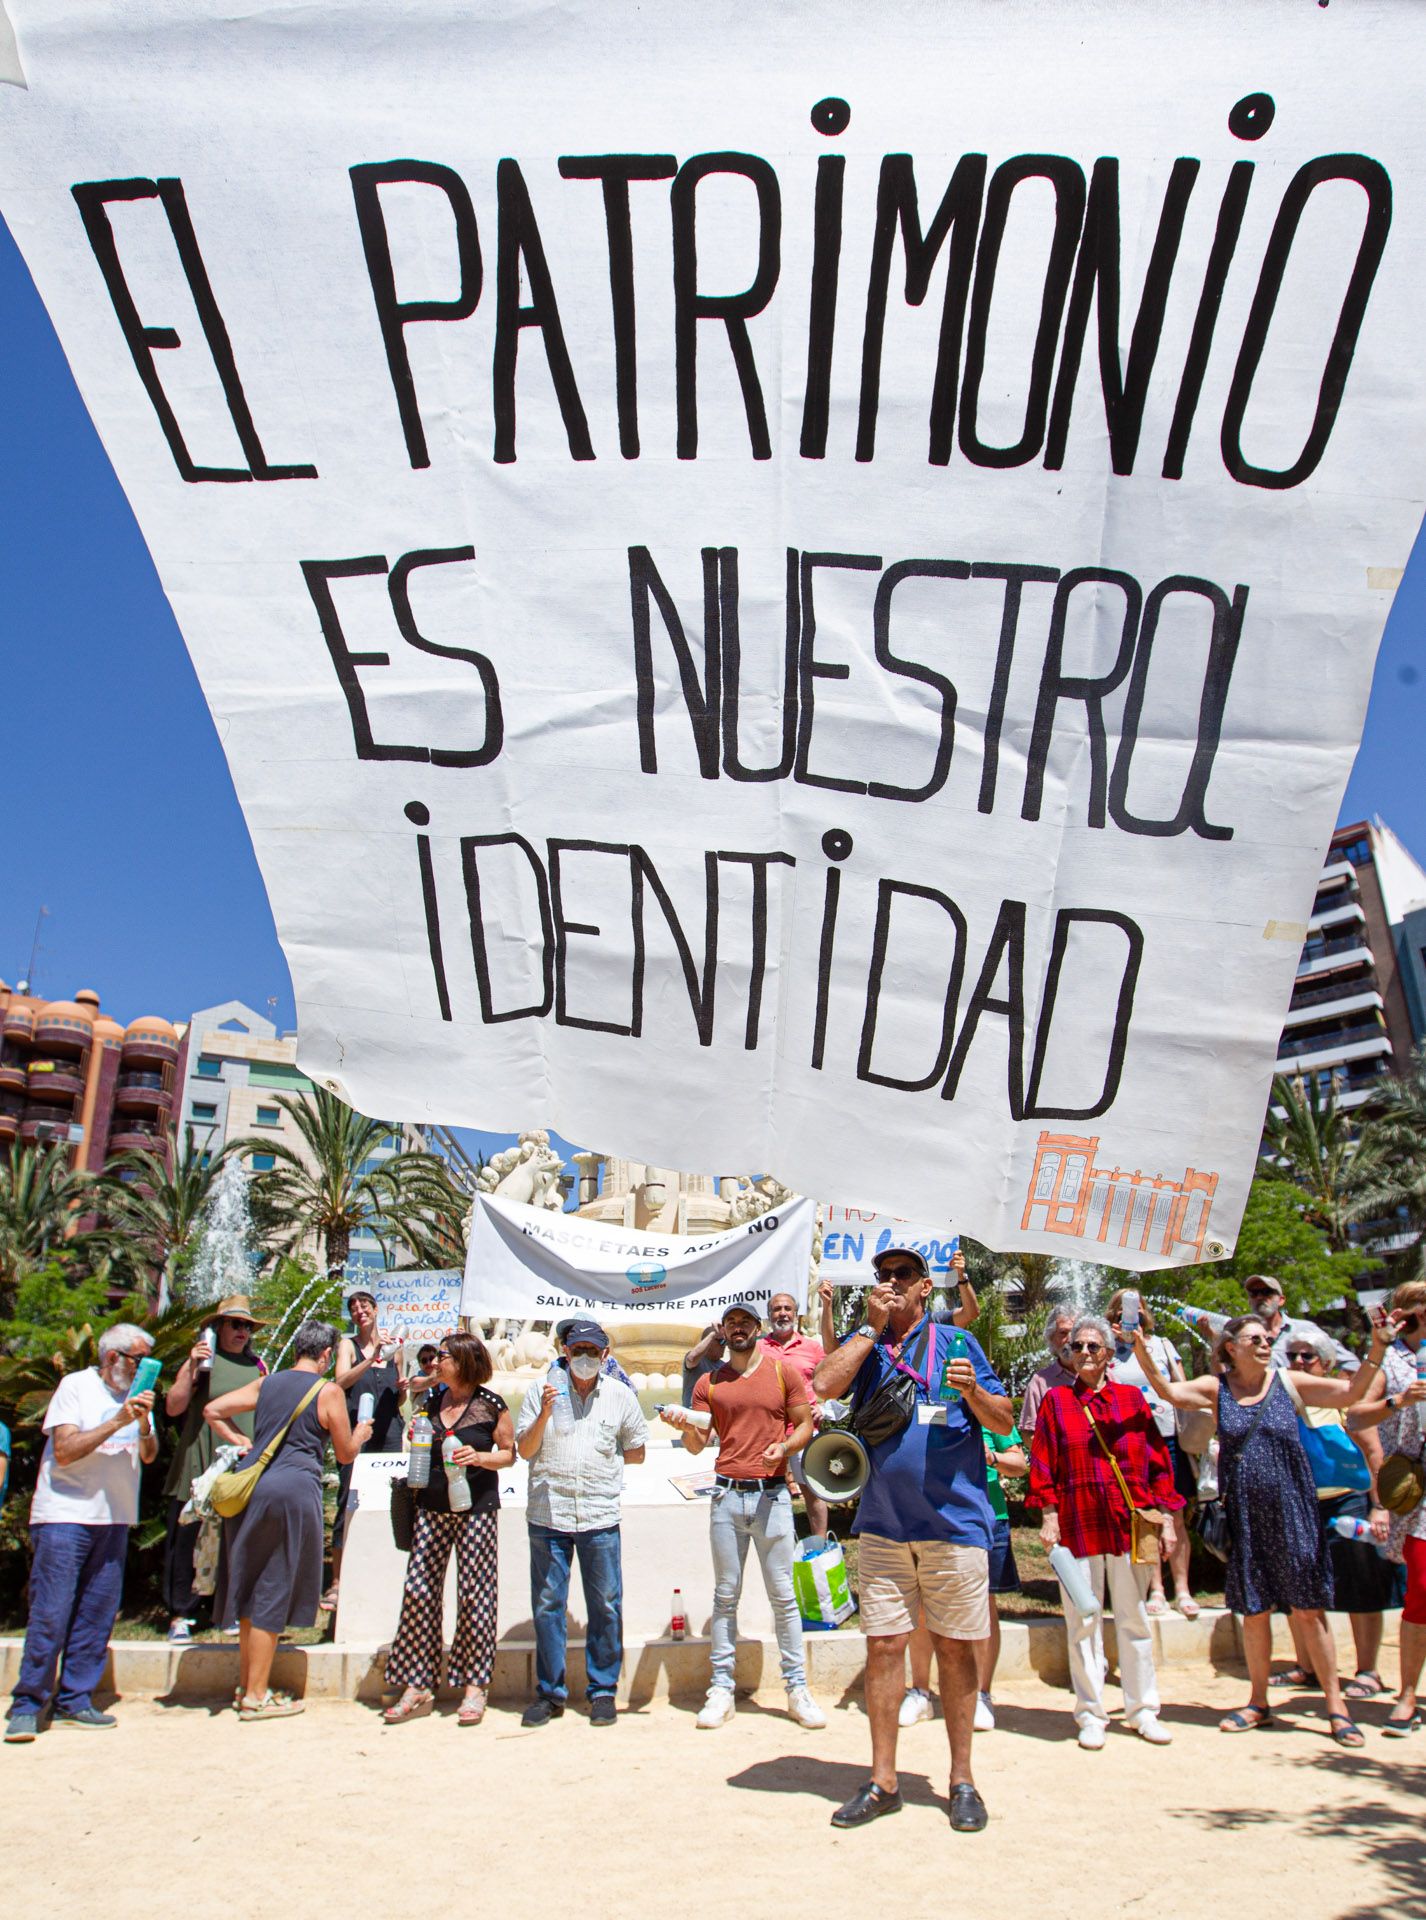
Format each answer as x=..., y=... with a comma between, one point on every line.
x=1128, y=1588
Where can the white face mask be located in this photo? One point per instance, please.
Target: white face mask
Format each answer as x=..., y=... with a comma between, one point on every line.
x=585, y=1366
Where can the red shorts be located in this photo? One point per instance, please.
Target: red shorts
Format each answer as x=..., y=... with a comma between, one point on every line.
x=1414, y=1612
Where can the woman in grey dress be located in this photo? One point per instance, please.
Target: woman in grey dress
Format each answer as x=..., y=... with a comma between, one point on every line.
x=273, y=1548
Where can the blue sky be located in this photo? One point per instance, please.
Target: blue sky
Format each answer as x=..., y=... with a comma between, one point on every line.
x=120, y=816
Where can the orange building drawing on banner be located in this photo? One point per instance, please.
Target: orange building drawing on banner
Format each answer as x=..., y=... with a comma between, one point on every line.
x=1147, y=1212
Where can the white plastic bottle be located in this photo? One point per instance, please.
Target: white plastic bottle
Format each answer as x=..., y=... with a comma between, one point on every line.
x=366, y=1407
x=1075, y=1581
x=1351, y=1529
x=457, y=1480
x=562, y=1418
x=418, y=1471
x=1131, y=1309
x=1200, y=1321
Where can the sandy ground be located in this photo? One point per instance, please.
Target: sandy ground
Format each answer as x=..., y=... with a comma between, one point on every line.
x=185, y=1812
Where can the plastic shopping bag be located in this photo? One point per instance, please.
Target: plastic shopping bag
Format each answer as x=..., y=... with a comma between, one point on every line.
x=819, y=1579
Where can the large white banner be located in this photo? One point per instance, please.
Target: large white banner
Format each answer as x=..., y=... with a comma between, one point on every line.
x=541, y=1265
x=852, y=1237
x=783, y=587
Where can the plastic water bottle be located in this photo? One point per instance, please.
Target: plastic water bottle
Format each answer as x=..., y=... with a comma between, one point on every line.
x=696, y=1418
x=1421, y=1362
x=563, y=1415
x=366, y=1407
x=208, y=1340
x=418, y=1472
x=1131, y=1309
x=1200, y=1321
x=1072, y=1577
x=677, y=1619
x=457, y=1481
x=1351, y=1529
x=956, y=1349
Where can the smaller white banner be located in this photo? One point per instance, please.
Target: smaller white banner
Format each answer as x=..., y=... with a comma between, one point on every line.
x=542, y=1265
x=415, y=1303
x=853, y=1236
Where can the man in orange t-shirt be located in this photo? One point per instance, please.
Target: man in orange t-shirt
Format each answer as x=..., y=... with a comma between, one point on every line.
x=761, y=1414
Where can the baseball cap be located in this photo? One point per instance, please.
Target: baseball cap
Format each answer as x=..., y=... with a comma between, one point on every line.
x=907, y=1253
x=1265, y=1283
x=585, y=1333
x=752, y=1308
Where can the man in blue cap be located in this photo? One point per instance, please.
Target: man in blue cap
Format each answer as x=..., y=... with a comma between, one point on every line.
x=577, y=1431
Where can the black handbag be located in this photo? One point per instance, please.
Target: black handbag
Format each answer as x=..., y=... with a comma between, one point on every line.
x=890, y=1407
x=403, y=1513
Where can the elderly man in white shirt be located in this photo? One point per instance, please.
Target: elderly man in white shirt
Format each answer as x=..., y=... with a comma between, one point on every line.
x=85, y=1501
x=577, y=1431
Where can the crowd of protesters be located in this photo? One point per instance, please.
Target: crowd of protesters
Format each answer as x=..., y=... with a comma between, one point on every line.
x=1286, y=1437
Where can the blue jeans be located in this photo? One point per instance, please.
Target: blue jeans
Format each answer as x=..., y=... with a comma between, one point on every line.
x=737, y=1515
x=551, y=1557
x=76, y=1583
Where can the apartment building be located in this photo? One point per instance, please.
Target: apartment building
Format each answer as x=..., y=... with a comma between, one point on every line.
x=1359, y=1004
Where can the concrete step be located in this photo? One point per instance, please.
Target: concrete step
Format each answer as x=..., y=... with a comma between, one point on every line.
x=658, y=1668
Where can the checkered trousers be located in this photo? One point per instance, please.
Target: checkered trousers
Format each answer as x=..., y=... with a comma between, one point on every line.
x=415, y=1657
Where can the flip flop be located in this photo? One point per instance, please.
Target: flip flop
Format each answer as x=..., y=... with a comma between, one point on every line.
x=1188, y=1606
x=1345, y=1731
x=1158, y=1608
x=1366, y=1686
x=328, y=1601
x=1246, y=1720
x=1293, y=1677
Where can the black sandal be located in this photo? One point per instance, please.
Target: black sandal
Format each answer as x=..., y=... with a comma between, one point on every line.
x=1246, y=1720
x=1345, y=1731
x=1296, y=1677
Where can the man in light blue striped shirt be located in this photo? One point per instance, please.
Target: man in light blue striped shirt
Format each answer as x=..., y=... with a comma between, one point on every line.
x=577, y=1428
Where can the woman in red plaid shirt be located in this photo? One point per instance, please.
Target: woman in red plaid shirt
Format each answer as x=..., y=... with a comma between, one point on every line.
x=1082, y=1507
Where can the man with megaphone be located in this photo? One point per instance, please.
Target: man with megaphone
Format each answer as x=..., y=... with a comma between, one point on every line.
x=923, y=1395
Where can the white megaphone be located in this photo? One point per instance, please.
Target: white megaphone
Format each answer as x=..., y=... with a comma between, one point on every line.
x=836, y=1466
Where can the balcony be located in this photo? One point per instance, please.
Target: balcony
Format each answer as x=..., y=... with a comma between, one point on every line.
x=1334, y=956
x=54, y=1080
x=1336, y=872
x=1337, y=914
x=45, y=1123
x=1307, y=1055
x=13, y=1076
x=142, y=1093
x=9, y=1125
x=149, y=1044
x=129, y=1135
x=1344, y=1034
x=19, y=1023
x=62, y=1033
x=1318, y=1002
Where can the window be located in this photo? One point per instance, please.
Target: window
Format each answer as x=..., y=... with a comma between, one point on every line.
x=206, y=1160
x=208, y=1067
x=269, y=1116
x=205, y=1110
x=263, y=1162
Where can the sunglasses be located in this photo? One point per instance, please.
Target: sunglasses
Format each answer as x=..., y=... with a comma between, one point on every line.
x=1302, y=1356
x=893, y=1274
x=1086, y=1346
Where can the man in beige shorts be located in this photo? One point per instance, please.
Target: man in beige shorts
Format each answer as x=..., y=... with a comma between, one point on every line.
x=925, y=1521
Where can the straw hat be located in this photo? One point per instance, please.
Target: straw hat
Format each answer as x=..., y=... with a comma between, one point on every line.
x=237, y=1307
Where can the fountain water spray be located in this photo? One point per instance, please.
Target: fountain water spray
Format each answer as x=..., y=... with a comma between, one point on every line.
x=272, y=1354
x=224, y=1262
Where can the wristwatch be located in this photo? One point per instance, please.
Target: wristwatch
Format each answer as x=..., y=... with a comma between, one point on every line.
x=1392, y=1402
x=866, y=1330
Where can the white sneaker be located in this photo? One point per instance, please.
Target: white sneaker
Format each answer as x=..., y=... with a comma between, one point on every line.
x=916, y=1705
x=984, y=1721
x=180, y=1633
x=1091, y=1735
x=717, y=1708
x=804, y=1709
x=1149, y=1727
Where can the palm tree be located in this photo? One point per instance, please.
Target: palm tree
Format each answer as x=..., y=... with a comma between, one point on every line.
x=338, y=1188
x=1336, y=1162
x=42, y=1200
x=157, y=1212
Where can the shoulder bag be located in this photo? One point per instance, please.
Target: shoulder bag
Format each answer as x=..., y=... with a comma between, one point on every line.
x=231, y=1492
x=1401, y=1477
x=1333, y=1455
x=1144, y=1522
x=890, y=1407
x=1215, y=1529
